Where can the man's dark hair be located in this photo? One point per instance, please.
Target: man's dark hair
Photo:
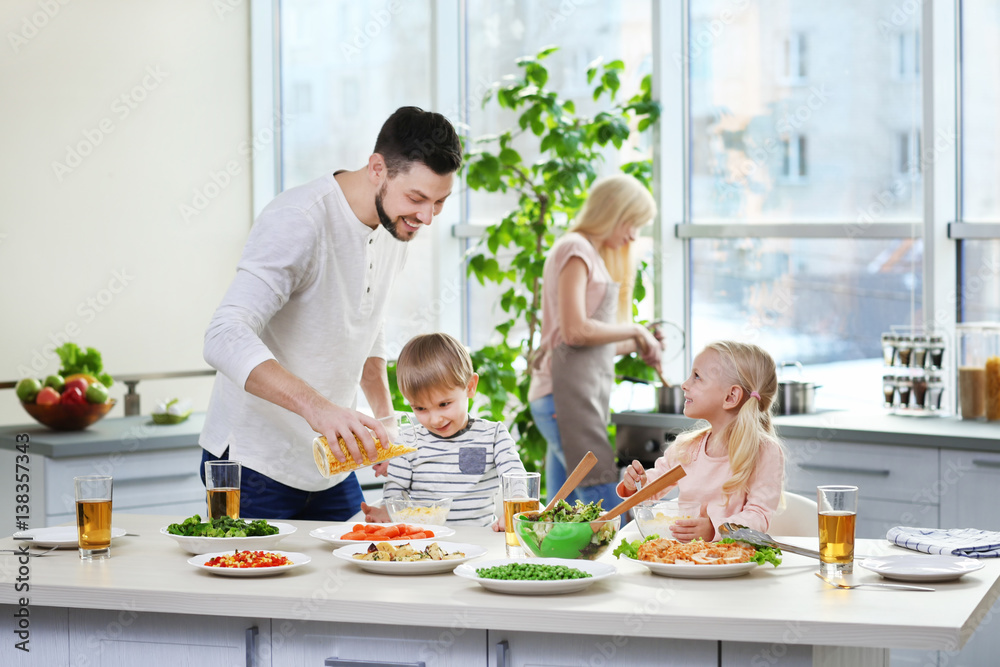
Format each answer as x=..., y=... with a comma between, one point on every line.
x=414, y=135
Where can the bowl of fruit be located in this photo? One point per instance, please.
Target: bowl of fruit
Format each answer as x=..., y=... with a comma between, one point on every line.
x=72, y=399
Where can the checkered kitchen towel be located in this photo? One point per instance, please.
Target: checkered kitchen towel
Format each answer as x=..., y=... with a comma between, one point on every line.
x=970, y=542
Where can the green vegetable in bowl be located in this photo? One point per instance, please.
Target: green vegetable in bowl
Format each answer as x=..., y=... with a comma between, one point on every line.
x=224, y=527
x=75, y=360
x=532, y=572
x=565, y=531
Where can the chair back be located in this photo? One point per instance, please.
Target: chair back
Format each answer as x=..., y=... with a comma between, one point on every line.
x=798, y=519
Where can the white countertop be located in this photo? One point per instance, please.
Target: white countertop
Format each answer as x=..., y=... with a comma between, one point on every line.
x=784, y=604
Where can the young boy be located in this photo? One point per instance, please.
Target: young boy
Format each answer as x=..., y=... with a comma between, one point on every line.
x=457, y=456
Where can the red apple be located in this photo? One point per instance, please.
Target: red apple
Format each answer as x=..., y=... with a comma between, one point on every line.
x=72, y=396
x=47, y=396
x=80, y=383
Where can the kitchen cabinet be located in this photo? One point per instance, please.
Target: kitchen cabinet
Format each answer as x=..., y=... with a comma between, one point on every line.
x=539, y=649
x=894, y=483
x=968, y=493
x=311, y=643
x=126, y=637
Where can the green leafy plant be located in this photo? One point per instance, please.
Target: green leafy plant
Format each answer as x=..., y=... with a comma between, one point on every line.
x=550, y=190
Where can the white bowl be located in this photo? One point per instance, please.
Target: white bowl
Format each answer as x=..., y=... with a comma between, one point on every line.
x=433, y=512
x=656, y=517
x=204, y=545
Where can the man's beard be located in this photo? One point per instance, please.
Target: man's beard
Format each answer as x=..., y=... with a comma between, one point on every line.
x=383, y=217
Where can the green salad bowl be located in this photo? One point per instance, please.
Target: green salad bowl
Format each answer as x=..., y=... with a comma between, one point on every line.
x=586, y=540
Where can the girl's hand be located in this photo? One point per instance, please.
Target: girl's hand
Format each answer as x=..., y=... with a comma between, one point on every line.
x=685, y=530
x=635, y=474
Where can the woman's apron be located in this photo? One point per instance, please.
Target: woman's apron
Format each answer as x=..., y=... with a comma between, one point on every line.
x=582, y=378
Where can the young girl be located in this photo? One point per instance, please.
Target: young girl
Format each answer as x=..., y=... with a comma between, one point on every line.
x=735, y=466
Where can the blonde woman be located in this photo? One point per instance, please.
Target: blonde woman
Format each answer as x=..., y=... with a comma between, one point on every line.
x=735, y=466
x=586, y=320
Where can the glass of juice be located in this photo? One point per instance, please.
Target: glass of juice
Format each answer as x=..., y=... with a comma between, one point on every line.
x=521, y=491
x=93, y=516
x=222, y=479
x=838, y=512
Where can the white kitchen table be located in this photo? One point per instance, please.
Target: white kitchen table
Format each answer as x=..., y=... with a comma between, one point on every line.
x=150, y=596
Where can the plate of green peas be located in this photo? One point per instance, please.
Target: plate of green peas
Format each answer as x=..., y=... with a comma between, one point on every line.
x=535, y=576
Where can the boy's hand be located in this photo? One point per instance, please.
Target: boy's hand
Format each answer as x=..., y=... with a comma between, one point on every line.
x=381, y=469
x=635, y=474
x=498, y=526
x=375, y=514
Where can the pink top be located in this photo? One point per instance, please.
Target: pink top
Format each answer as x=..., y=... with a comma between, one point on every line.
x=706, y=475
x=572, y=244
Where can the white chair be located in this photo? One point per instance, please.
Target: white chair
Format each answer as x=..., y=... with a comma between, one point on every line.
x=798, y=519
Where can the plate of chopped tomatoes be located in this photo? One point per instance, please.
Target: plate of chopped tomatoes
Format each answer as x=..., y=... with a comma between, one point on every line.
x=249, y=563
x=345, y=533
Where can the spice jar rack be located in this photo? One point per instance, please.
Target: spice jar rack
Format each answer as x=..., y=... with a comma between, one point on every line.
x=978, y=345
x=913, y=361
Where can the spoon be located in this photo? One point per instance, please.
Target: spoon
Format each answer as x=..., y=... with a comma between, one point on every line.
x=581, y=470
x=567, y=540
x=902, y=587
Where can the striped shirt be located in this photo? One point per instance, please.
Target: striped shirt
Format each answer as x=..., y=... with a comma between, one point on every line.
x=465, y=467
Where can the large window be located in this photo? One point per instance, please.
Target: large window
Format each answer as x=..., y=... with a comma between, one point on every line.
x=803, y=115
x=979, y=267
x=810, y=222
x=499, y=33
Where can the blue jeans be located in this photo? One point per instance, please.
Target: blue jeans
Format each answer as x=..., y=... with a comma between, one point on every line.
x=543, y=410
x=263, y=498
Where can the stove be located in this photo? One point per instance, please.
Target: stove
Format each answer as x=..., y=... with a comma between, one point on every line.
x=643, y=443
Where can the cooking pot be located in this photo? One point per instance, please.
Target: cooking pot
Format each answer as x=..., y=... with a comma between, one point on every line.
x=669, y=398
x=795, y=397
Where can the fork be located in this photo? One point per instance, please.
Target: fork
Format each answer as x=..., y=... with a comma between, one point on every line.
x=902, y=587
x=30, y=553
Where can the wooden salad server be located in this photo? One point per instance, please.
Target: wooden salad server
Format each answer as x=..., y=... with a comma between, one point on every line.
x=581, y=470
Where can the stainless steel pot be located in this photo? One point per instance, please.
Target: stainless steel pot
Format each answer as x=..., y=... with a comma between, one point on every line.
x=669, y=399
x=795, y=397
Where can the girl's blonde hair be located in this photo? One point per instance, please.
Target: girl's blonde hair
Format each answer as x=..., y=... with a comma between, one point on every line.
x=751, y=368
x=613, y=201
x=432, y=361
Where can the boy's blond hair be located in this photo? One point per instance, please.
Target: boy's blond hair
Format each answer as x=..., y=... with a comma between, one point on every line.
x=432, y=361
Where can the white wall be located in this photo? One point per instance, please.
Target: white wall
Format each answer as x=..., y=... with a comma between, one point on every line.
x=156, y=95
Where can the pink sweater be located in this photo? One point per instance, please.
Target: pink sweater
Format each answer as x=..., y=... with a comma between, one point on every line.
x=706, y=475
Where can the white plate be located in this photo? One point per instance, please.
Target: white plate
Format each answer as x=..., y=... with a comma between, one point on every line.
x=414, y=567
x=203, y=545
x=333, y=532
x=686, y=571
x=63, y=537
x=296, y=558
x=921, y=567
x=512, y=586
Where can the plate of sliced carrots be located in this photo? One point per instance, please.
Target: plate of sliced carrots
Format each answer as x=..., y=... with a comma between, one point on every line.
x=345, y=533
